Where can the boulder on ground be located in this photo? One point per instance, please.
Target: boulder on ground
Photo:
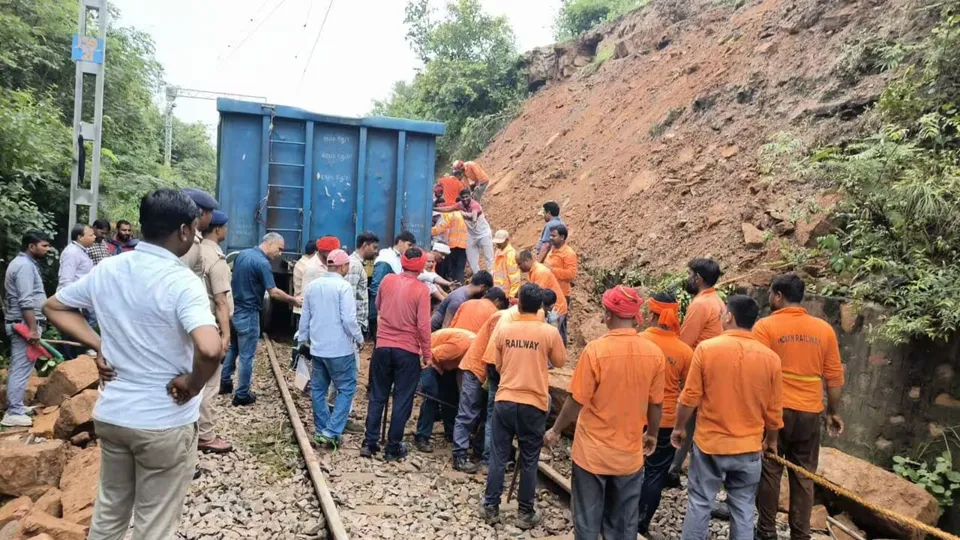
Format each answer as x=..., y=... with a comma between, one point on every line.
x=882, y=488
x=752, y=236
x=847, y=523
x=818, y=518
x=83, y=517
x=43, y=424
x=69, y=379
x=10, y=531
x=15, y=509
x=39, y=523
x=42, y=536
x=49, y=503
x=78, y=485
x=34, y=384
x=31, y=469
x=75, y=413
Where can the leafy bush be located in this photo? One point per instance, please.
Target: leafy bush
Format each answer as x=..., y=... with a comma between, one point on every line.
x=577, y=16
x=941, y=480
x=898, y=227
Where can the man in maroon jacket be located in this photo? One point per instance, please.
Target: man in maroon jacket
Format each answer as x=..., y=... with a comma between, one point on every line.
x=403, y=338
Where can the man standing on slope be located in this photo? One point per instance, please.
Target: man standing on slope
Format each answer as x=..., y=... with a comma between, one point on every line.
x=473, y=177
x=616, y=389
x=809, y=356
x=451, y=229
x=252, y=278
x=506, y=273
x=551, y=214
x=662, y=327
x=479, y=236
x=735, y=385
x=522, y=351
x=403, y=339
x=160, y=346
x=562, y=261
x=541, y=275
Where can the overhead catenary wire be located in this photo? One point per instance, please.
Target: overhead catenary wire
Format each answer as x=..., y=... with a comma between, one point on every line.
x=315, y=41
x=254, y=30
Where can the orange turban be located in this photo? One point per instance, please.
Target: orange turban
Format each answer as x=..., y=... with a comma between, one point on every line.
x=413, y=265
x=624, y=302
x=668, y=312
x=328, y=244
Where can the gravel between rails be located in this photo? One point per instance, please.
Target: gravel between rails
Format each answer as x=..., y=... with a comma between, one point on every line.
x=261, y=489
x=421, y=497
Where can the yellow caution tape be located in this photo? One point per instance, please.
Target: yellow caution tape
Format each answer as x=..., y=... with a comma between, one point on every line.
x=844, y=492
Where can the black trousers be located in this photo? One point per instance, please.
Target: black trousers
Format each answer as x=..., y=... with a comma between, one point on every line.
x=605, y=504
x=399, y=369
x=527, y=423
x=456, y=263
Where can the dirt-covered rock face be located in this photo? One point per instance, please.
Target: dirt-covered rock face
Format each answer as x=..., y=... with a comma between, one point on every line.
x=662, y=133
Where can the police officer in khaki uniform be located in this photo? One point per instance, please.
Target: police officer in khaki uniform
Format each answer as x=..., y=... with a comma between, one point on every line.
x=216, y=277
x=207, y=205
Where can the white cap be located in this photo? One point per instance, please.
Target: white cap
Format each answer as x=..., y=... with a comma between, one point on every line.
x=440, y=247
x=501, y=236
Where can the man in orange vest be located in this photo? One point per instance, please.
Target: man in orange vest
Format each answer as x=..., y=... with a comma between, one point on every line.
x=472, y=176
x=506, y=273
x=809, y=357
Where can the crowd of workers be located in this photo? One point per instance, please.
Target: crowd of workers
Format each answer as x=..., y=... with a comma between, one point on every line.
x=716, y=384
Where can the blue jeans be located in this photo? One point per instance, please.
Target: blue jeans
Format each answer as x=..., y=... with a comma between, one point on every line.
x=342, y=372
x=442, y=386
x=468, y=413
x=654, y=475
x=246, y=326
x=739, y=474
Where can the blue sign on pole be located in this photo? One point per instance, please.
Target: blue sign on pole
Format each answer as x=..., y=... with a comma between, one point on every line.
x=87, y=49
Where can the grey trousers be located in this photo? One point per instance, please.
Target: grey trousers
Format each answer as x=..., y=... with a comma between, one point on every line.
x=146, y=473
x=739, y=474
x=476, y=246
x=472, y=402
x=19, y=371
x=605, y=504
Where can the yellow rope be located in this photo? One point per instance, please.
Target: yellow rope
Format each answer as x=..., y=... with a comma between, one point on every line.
x=844, y=492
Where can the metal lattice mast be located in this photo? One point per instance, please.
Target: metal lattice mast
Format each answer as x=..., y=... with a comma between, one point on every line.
x=89, y=54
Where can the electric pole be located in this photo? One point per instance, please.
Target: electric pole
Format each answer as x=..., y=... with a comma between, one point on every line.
x=89, y=54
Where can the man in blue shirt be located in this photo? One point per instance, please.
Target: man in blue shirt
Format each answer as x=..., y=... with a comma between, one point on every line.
x=551, y=214
x=160, y=346
x=328, y=326
x=75, y=262
x=252, y=278
x=480, y=283
x=22, y=300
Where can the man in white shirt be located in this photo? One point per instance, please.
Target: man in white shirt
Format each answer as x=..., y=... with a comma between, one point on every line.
x=75, y=262
x=160, y=346
x=328, y=325
x=300, y=269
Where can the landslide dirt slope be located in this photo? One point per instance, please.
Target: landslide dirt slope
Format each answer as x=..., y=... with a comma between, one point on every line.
x=654, y=156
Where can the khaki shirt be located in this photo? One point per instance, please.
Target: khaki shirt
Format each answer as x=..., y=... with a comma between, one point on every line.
x=192, y=258
x=215, y=273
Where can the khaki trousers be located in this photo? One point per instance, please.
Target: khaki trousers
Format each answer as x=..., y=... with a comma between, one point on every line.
x=208, y=407
x=146, y=473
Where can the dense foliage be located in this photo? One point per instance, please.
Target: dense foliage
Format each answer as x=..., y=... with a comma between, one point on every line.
x=577, y=16
x=36, y=116
x=470, y=77
x=898, y=237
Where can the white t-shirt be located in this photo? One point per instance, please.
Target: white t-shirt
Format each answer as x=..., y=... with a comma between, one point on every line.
x=429, y=278
x=147, y=302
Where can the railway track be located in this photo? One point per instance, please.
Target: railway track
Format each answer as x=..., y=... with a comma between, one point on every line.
x=420, y=497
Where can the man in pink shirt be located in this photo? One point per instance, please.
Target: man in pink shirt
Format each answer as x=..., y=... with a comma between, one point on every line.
x=403, y=338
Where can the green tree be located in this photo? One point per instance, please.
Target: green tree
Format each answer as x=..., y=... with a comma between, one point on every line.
x=470, y=74
x=577, y=16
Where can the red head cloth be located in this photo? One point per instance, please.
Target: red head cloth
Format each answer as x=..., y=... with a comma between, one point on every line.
x=668, y=312
x=414, y=265
x=624, y=302
x=328, y=244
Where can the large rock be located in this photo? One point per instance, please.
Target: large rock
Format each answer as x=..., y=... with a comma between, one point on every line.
x=76, y=413
x=15, y=509
x=49, y=503
x=78, y=485
x=69, y=379
x=39, y=523
x=883, y=488
x=752, y=236
x=31, y=469
x=43, y=424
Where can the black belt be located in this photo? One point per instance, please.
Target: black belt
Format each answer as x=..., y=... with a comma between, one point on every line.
x=18, y=321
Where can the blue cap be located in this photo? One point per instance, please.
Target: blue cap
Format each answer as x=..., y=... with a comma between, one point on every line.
x=202, y=199
x=219, y=218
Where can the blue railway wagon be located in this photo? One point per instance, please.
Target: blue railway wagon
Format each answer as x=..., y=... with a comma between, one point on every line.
x=305, y=175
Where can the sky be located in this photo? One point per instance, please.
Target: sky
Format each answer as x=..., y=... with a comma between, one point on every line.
x=261, y=48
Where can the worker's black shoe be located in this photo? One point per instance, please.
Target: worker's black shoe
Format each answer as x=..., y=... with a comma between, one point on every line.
x=490, y=513
x=672, y=481
x=423, y=445
x=244, y=401
x=720, y=511
x=463, y=464
x=226, y=388
x=396, y=456
x=368, y=451
x=527, y=520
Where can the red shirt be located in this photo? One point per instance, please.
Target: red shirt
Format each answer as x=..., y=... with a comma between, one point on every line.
x=403, y=306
